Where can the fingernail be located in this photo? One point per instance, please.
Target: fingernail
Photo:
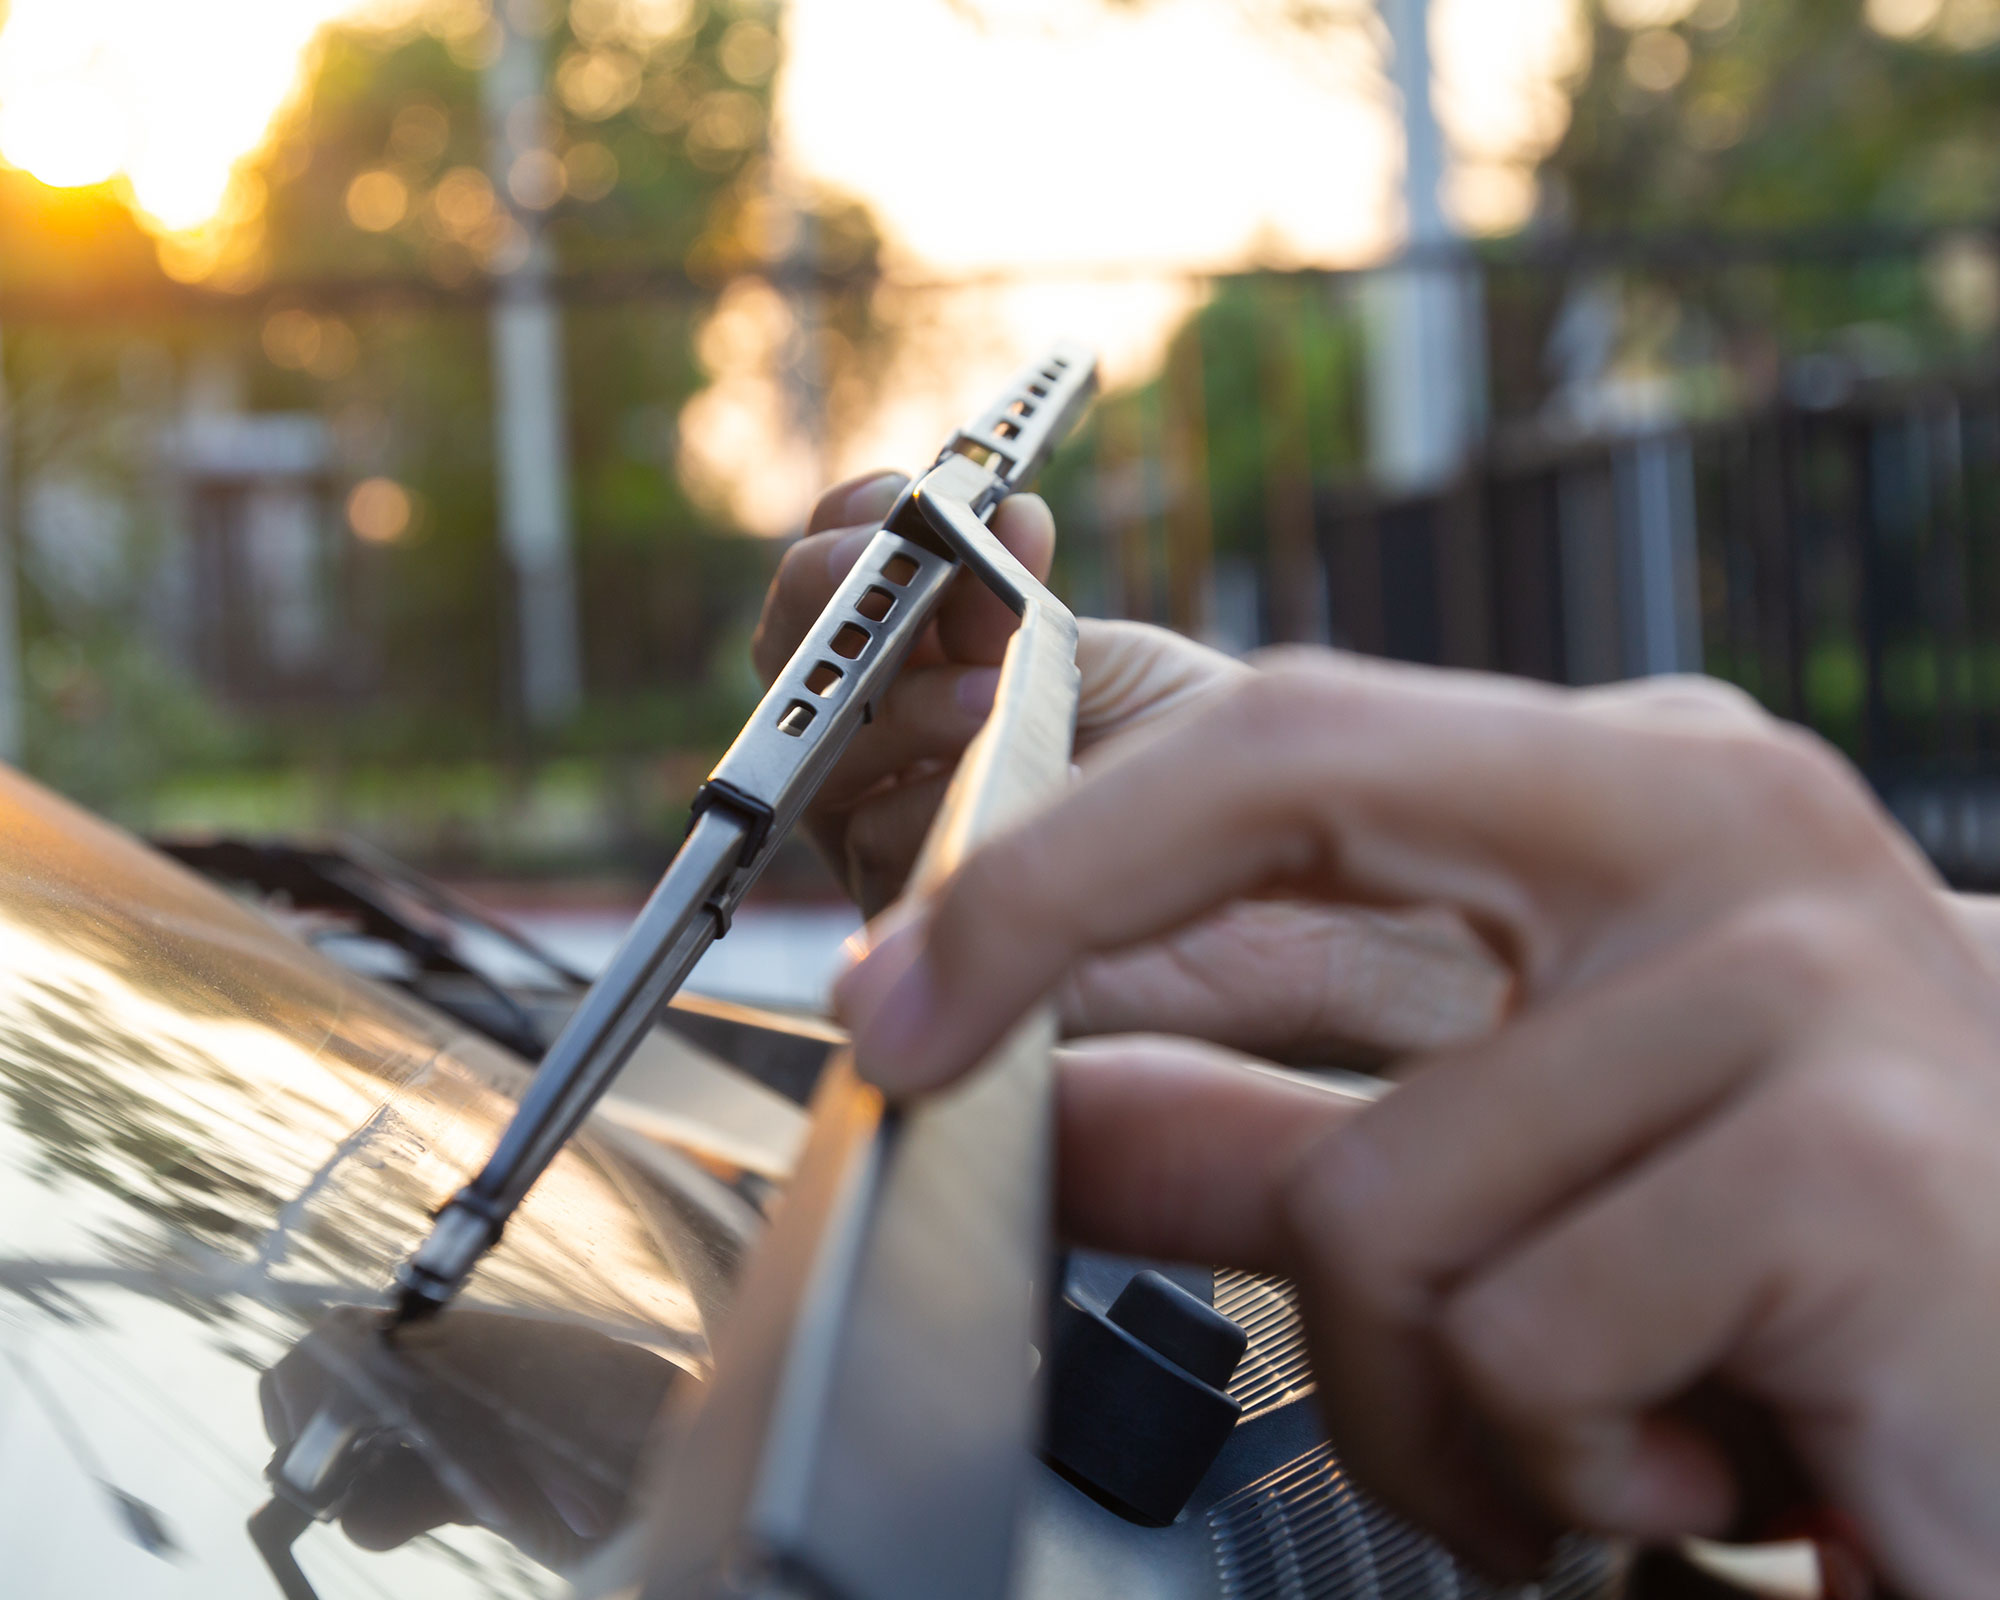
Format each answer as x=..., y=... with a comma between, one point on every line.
x=976, y=688
x=888, y=998
x=871, y=498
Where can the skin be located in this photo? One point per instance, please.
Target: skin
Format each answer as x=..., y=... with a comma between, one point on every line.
x=1728, y=1124
x=1288, y=980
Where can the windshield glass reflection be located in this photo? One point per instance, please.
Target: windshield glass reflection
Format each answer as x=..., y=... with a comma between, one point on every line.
x=209, y=1139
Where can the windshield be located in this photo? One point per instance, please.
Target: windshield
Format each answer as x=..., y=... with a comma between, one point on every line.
x=211, y=1141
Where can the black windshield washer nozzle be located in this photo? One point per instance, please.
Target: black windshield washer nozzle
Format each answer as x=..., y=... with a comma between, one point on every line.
x=1137, y=1408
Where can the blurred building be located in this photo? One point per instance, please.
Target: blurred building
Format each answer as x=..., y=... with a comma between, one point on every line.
x=256, y=573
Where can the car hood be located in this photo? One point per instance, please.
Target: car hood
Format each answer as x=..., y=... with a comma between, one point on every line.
x=214, y=1148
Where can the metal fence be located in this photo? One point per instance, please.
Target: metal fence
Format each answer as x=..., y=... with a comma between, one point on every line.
x=1840, y=562
x=1824, y=536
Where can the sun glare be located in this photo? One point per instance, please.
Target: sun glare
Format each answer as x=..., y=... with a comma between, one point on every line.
x=169, y=96
x=1110, y=153
x=1131, y=148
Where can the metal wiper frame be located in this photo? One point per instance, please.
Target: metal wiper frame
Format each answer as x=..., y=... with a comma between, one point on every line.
x=777, y=763
x=870, y=1426
x=871, y=1420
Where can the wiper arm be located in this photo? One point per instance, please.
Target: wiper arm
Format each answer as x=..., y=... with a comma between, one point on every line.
x=765, y=780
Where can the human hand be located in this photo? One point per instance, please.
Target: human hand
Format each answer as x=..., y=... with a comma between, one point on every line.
x=868, y=819
x=1289, y=980
x=1741, y=1132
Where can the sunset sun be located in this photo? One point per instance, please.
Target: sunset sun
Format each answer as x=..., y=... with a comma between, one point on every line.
x=170, y=97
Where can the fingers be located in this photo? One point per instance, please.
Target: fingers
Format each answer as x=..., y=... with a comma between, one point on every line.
x=878, y=842
x=863, y=499
x=870, y=816
x=1482, y=1141
x=1475, y=1151
x=1685, y=700
x=843, y=522
x=929, y=713
x=1548, y=832
x=939, y=701
x=1561, y=1230
x=1175, y=1150
x=1979, y=915
x=1296, y=982
x=973, y=623
x=1577, y=1341
x=1786, y=1247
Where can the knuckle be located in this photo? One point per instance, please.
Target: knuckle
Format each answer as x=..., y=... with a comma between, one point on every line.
x=1692, y=698
x=1802, y=950
x=1802, y=784
x=1879, y=1127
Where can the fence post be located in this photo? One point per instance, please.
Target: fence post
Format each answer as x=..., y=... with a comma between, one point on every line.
x=1121, y=513
x=530, y=442
x=1296, y=600
x=1660, y=599
x=1426, y=334
x=1184, y=460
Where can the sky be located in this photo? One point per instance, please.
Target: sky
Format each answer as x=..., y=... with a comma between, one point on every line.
x=1104, y=152
x=170, y=95
x=1106, y=155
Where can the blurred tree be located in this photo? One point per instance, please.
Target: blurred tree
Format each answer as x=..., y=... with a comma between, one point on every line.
x=654, y=167
x=1780, y=113
x=1257, y=409
x=1729, y=117
x=359, y=239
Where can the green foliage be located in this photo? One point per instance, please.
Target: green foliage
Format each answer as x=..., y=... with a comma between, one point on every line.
x=664, y=150
x=381, y=173
x=110, y=721
x=1789, y=112
x=1278, y=406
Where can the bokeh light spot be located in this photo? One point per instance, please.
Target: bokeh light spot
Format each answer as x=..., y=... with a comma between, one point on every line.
x=171, y=96
x=337, y=350
x=379, y=510
x=1902, y=19
x=590, y=170
x=463, y=201
x=536, y=179
x=65, y=130
x=420, y=133
x=1638, y=14
x=642, y=23
x=749, y=51
x=596, y=84
x=291, y=338
x=1657, y=60
x=377, y=201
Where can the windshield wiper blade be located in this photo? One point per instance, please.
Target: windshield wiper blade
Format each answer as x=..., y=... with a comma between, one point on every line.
x=777, y=763
x=869, y=1428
